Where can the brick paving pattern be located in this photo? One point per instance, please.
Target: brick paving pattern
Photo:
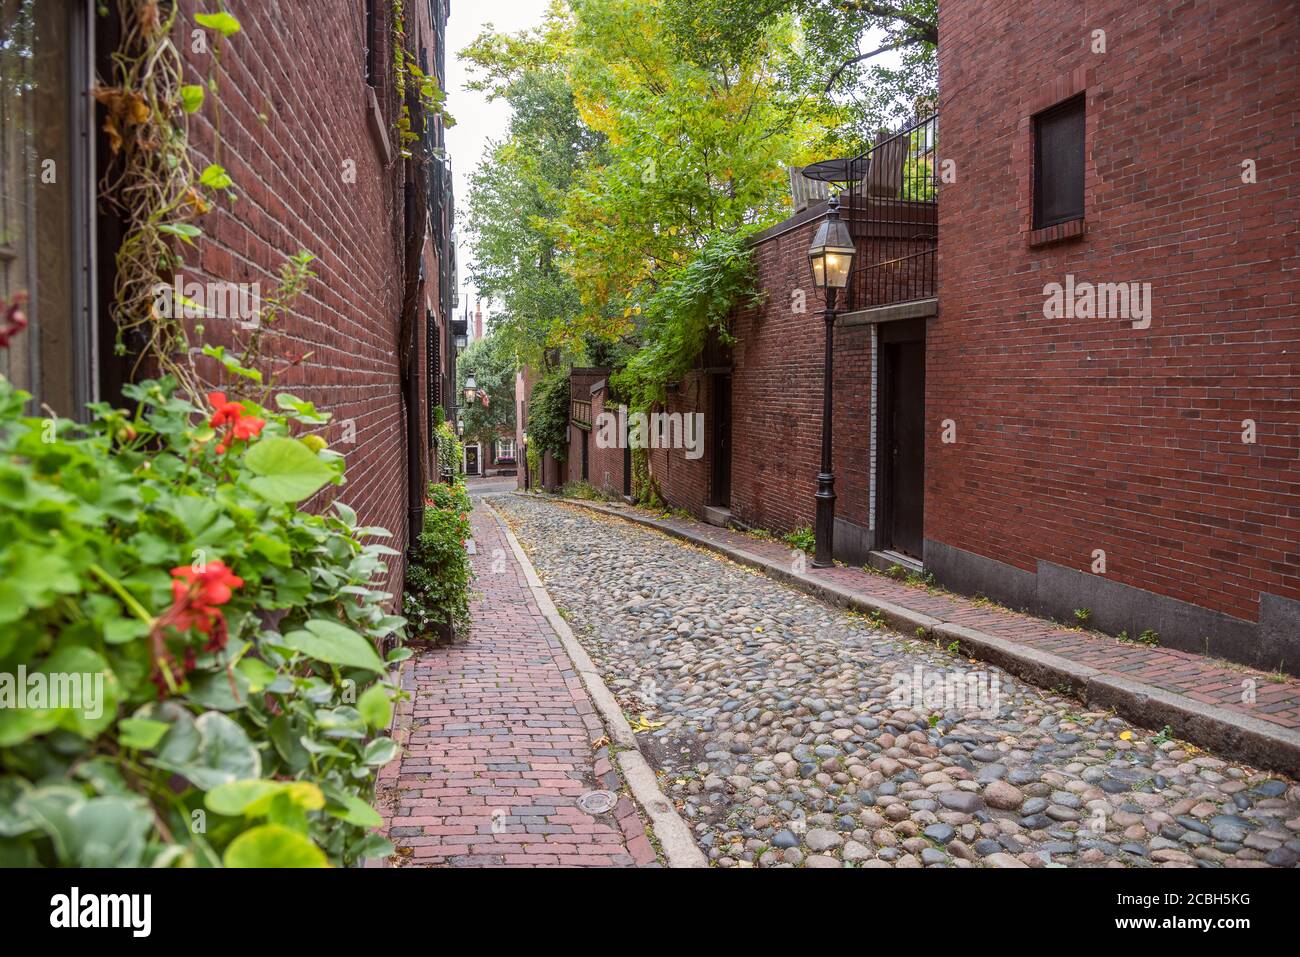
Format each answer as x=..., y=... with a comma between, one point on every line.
x=500, y=740
x=1198, y=677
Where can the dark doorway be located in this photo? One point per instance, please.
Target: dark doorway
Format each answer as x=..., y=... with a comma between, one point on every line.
x=471, y=460
x=627, y=466
x=586, y=457
x=901, y=436
x=722, y=441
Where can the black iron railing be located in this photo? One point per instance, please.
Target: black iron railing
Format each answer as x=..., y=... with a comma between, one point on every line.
x=891, y=206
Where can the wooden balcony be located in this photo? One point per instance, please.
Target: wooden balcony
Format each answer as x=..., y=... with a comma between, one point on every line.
x=580, y=412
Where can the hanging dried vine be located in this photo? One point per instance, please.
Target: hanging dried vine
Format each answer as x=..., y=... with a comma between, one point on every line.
x=151, y=183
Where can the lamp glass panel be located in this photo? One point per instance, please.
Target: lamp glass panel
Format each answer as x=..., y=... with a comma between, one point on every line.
x=819, y=271
x=837, y=269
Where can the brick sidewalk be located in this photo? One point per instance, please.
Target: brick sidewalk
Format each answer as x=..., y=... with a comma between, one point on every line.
x=1197, y=677
x=499, y=742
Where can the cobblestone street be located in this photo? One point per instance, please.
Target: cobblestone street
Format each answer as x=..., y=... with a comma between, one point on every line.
x=770, y=720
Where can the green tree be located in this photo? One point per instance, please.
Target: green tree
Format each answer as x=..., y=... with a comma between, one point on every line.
x=840, y=42
x=548, y=415
x=492, y=411
x=520, y=187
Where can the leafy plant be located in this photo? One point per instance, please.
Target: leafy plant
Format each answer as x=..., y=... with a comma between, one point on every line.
x=802, y=538
x=686, y=306
x=1148, y=637
x=583, y=490
x=150, y=181
x=436, y=599
x=160, y=554
x=451, y=453
x=548, y=415
x=1083, y=616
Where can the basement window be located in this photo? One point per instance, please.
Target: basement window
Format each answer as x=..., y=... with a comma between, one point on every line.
x=1058, y=163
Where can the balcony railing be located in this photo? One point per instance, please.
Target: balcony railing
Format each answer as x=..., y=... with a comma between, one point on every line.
x=580, y=412
x=891, y=206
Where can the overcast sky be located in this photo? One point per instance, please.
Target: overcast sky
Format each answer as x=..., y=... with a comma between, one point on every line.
x=477, y=120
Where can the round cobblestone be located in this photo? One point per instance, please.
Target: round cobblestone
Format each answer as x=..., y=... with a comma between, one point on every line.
x=782, y=729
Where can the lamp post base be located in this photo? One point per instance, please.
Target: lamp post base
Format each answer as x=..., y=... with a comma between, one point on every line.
x=825, y=531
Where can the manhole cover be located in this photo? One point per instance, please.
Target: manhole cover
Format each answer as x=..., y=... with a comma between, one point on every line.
x=598, y=802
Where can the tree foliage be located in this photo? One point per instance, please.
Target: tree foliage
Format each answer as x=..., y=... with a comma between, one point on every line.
x=492, y=365
x=648, y=139
x=684, y=310
x=520, y=186
x=548, y=415
x=628, y=165
x=842, y=45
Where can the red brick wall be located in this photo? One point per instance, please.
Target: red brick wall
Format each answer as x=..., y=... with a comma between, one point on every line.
x=1079, y=434
x=606, y=459
x=777, y=379
x=580, y=382
x=777, y=397
x=683, y=482
x=293, y=116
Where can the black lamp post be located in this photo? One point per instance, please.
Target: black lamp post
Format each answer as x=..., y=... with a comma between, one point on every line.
x=831, y=256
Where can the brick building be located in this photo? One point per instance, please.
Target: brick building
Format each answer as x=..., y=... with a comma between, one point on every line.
x=308, y=110
x=1134, y=452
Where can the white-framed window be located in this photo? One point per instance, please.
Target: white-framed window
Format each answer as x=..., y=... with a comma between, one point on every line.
x=505, y=448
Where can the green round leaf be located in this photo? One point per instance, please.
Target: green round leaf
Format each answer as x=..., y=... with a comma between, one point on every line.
x=253, y=798
x=376, y=706
x=335, y=644
x=273, y=846
x=192, y=97
x=285, y=470
x=223, y=23
x=355, y=811
x=380, y=751
x=141, y=733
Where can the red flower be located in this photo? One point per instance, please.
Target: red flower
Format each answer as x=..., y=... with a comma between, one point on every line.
x=196, y=597
x=14, y=318
x=226, y=411
x=248, y=427
x=213, y=586
x=242, y=427
x=196, y=600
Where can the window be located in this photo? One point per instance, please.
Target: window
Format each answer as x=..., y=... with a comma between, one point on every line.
x=1058, y=164
x=505, y=449
x=46, y=195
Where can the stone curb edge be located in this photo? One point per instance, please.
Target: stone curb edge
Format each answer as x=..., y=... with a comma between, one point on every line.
x=679, y=847
x=1261, y=743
